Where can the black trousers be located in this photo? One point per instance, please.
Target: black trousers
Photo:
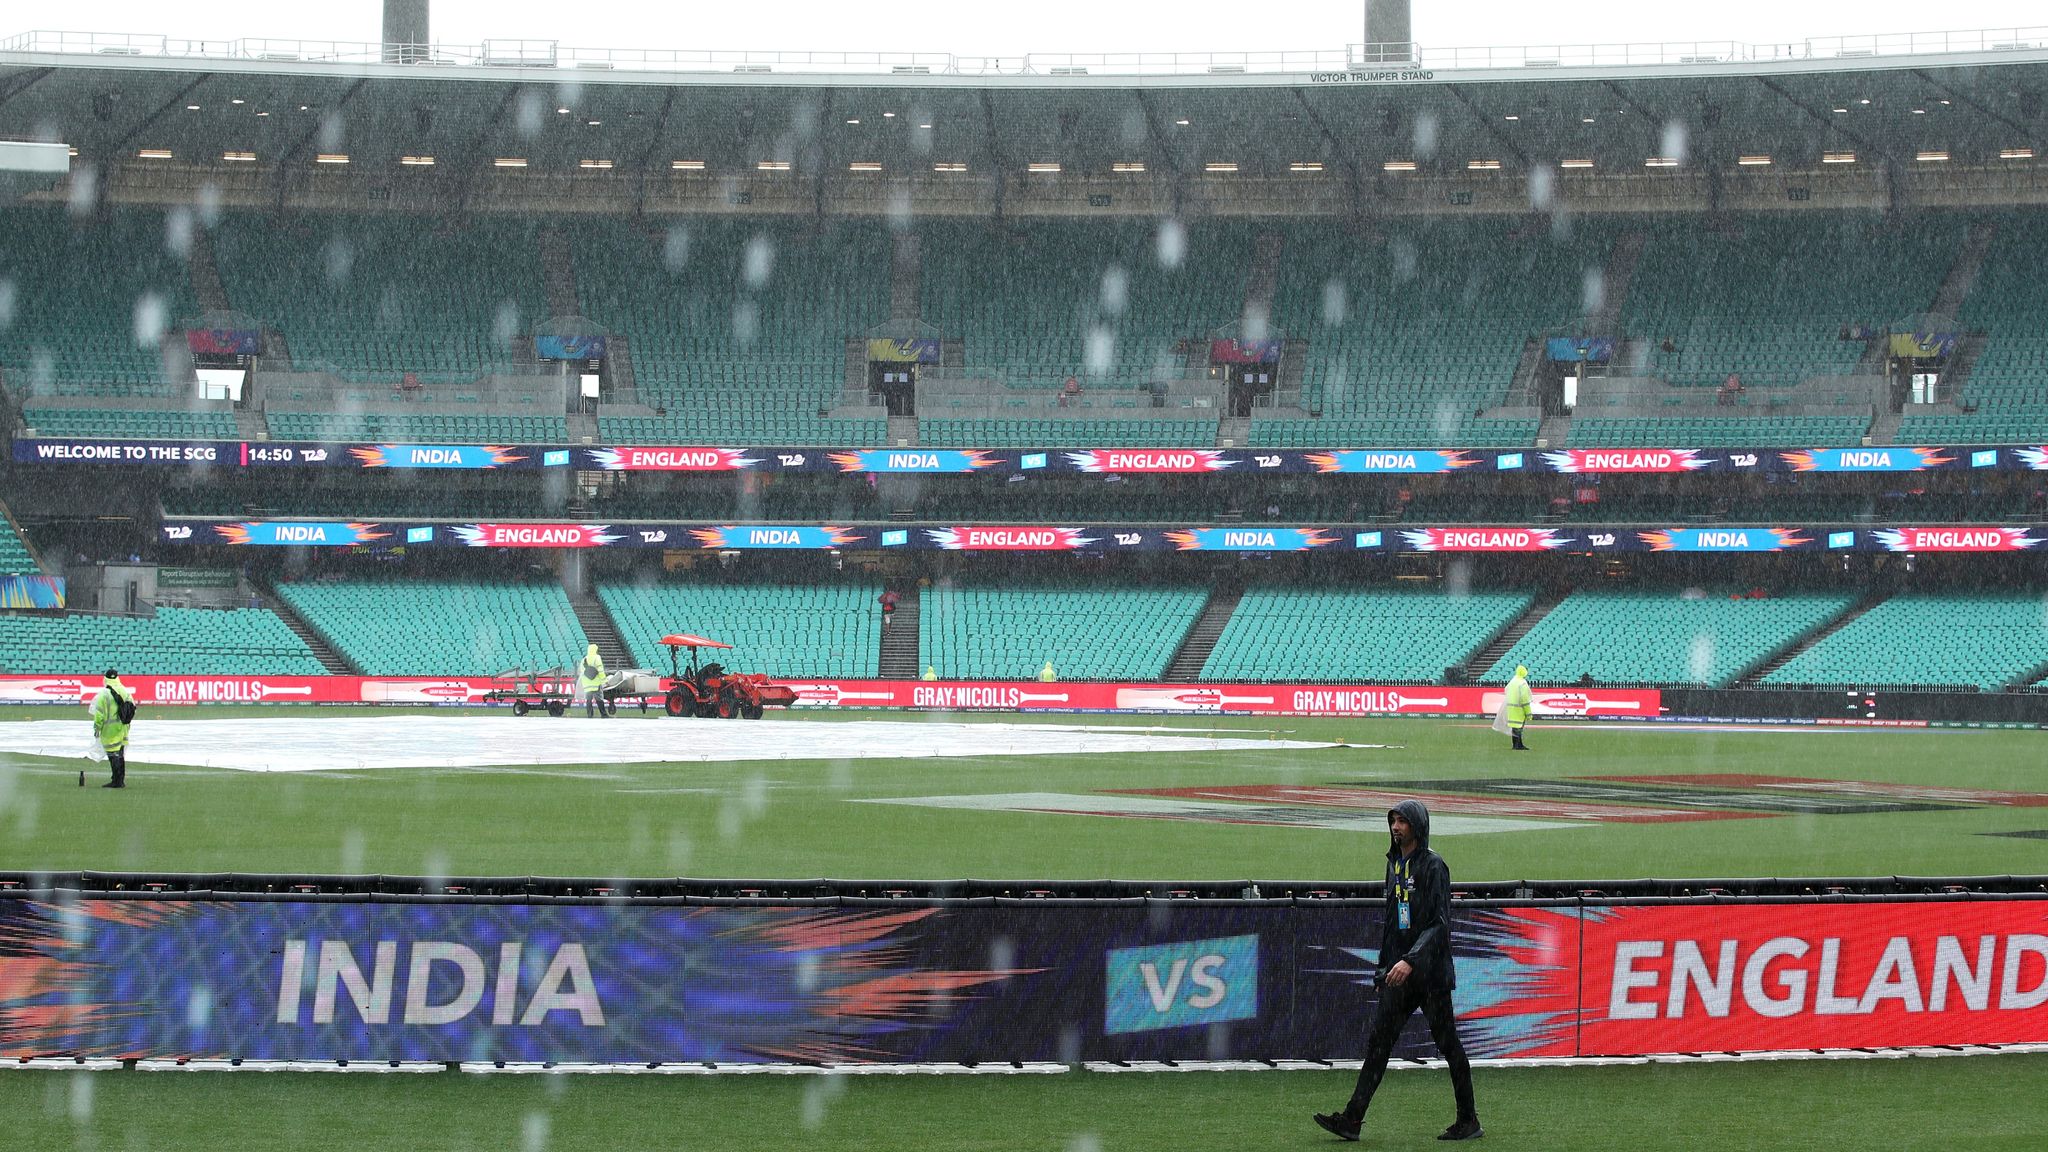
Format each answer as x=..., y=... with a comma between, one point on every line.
x=1396, y=1005
x=118, y=763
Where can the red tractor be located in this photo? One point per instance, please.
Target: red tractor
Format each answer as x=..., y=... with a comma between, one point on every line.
x=709, y=690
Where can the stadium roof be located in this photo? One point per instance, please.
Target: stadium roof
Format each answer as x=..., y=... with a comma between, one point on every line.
x=1968, y=97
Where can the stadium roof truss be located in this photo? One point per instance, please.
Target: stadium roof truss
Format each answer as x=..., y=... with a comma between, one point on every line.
x=1972, y=107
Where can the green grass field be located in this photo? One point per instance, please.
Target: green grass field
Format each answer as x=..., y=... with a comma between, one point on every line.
x=1984, y=1104
x=797, y=818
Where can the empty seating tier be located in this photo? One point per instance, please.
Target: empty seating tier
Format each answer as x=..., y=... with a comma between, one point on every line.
x=1310, y=634
x=1663, y=636
x=1950, y=638
x=1087, y=633
x=374, y=297
x=426, y=627
x=175, y=642
x=93, y=302
x=781, y=630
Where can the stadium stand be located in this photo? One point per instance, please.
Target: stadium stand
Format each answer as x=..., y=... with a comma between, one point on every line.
x=412, y=503
x=15, y=557
x=412, y=428
x=1983, y=640
x=372, y=297
x=1340, y=634
x=1106, y=302
x=1661, y=636
x=1730, y=300
x=1760, y=431
x=176, y=641
x=1026, y=432
x=1412, y=337
x=210, y=422
x=81, y=292
x=737, y=329
x=2005, y=392
x=779, y=629
x=1088, y=633
x=430, y=627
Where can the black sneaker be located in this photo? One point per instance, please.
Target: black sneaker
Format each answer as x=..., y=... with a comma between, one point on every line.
x=111, y=784
x=1467, y=1129
x=1336, y=1124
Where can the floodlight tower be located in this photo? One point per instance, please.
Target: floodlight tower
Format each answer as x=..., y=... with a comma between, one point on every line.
x=1389, y=35
x=405, y=31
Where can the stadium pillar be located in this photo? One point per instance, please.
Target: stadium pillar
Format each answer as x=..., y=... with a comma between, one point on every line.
x=405, y=31
x=1389, y=35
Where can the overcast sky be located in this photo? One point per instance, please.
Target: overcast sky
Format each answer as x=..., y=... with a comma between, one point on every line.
x=1000, y=29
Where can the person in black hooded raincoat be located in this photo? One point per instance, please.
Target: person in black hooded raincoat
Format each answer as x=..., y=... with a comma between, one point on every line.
x=1416, y=970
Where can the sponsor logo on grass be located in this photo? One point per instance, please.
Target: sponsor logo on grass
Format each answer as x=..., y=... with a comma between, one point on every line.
x=1181, y=985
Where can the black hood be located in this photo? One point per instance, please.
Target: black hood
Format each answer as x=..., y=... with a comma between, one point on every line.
x=1418, y=819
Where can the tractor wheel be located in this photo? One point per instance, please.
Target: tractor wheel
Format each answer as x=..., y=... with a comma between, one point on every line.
x=728, y=704
x=557, y=708
x=677, y=702
x=752, y=711
x=520, y=707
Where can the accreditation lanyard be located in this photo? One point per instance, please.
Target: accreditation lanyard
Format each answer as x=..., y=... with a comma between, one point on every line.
x=1404, y=891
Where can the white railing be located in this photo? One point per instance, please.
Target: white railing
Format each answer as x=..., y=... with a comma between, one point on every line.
x=1052, y=65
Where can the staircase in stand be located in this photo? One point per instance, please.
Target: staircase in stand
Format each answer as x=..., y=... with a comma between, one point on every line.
x=1264, y=279
x=1962, y=275
x=205, y=273
x=618, y=361
x=906, y=279
x=1188, y=660
x=598, y=627
x=1614, y=281
x=1783, y=656
x=1489, y=655
x=558, y=274
x=899, y=655
x=330, y=657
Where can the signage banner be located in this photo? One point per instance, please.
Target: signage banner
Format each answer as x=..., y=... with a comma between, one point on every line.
x=1956, y=539
x=1005, y=461
x=1245, y=351
x=1762, y=977
x=884, y=983
x=223, y=341
x=1390, y=460
x=919, y=350
x=1571, y=348
x=470, y=456
x=1724, y=539
x=28, y=591
x=630, y=459
x=1585, y=539
x=591, y=347
x=941, y=695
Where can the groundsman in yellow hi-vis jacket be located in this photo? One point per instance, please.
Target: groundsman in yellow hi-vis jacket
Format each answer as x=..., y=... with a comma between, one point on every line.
x=113, y=710
x=590, y=678
x=1516, y=704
